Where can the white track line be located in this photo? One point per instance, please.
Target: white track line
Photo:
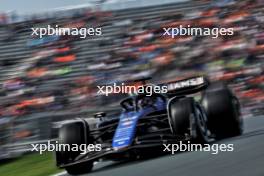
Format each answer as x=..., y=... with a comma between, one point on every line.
x=60, y=174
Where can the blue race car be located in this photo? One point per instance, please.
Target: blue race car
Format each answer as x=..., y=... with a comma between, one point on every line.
x=149, y=122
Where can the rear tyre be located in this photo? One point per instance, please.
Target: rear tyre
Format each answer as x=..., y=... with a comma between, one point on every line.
x=180, y=111
x=186, y=117
x=223, y=112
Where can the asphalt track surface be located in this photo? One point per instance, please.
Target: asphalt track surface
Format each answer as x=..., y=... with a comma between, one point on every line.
x=247, y=159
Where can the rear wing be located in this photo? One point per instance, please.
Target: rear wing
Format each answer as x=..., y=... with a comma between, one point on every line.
x=178, y=87
x=187, y=86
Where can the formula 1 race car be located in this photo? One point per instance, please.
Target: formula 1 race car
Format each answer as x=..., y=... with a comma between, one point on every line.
x=149, y=122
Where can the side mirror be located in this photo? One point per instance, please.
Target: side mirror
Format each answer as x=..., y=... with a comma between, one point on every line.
x=99, y=115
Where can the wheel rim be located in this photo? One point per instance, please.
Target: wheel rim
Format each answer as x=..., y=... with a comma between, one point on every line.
x=202, y=127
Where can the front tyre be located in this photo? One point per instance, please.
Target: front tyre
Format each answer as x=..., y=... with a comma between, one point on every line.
x=80, y=168
x=74, y=133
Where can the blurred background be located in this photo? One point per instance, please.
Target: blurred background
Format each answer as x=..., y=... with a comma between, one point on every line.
x=45, y=81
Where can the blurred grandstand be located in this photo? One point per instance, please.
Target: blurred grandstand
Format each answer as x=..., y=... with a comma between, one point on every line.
x=53, y=79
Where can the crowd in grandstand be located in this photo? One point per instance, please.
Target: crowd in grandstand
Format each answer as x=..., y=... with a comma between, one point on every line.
x=59, y=73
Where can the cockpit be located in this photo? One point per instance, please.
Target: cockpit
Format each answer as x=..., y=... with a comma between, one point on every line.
x=142, y=101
